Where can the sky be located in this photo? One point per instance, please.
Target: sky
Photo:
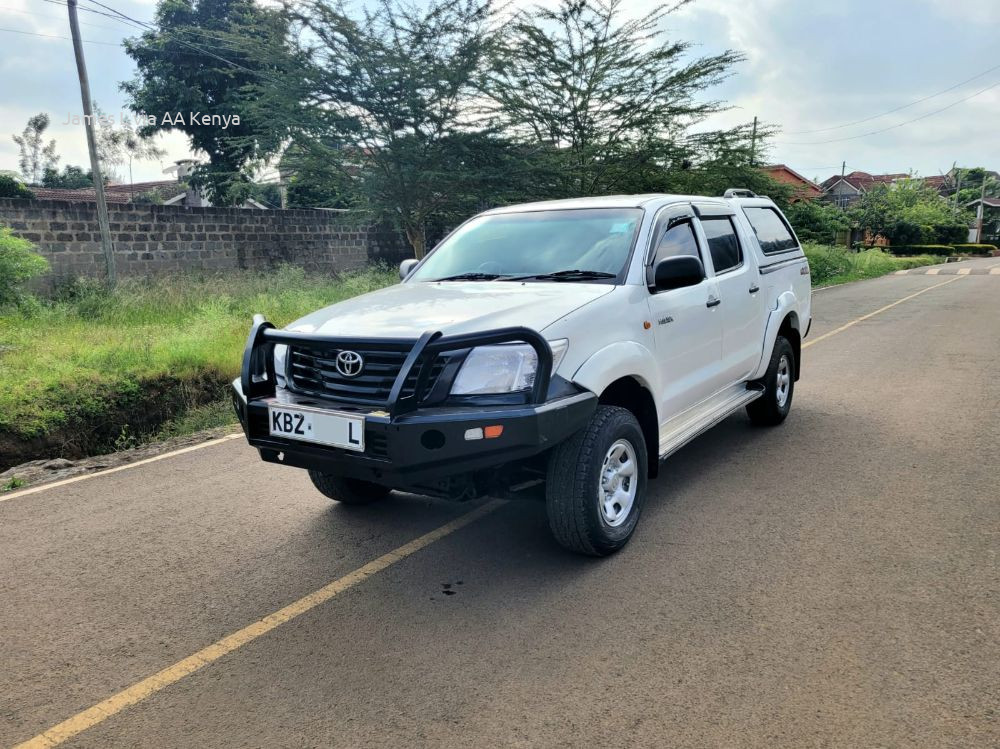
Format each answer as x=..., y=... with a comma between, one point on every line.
x=811, y=67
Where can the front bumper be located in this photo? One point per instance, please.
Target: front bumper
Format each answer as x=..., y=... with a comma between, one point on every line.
x=421, y=446
x=408, y=440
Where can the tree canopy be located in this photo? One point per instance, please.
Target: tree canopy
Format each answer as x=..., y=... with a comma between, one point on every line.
x=35, y=155
x=212, y=57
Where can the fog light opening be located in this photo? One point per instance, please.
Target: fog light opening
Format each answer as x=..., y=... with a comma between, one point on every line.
x=432, y=439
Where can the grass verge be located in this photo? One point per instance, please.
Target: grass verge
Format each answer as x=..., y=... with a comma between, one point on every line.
x=98, y=370
x=835, y=265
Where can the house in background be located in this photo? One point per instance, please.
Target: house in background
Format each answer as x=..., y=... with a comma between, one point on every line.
x=166, y=192
x=802, y=188
x=848, y=189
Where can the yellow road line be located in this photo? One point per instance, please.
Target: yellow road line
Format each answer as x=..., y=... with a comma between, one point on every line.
x=964, y=271
x=854, y=322
x=172, y=674
x=116, y=469
x=933, y=271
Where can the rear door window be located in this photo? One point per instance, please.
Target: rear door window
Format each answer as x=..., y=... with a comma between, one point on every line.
x=723, y=243
x=772, y=232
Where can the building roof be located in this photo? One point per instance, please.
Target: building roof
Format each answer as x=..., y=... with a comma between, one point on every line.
x=83, y=195
x=802, y=184
x=863, y=180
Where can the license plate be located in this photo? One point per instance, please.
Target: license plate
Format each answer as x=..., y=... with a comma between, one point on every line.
x=321, y=427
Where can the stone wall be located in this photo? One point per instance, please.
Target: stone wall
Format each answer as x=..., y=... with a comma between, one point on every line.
x=152, y=239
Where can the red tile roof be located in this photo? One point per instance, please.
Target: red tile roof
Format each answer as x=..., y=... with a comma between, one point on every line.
x=85, y=195
x=120, y=193
x=864, y=180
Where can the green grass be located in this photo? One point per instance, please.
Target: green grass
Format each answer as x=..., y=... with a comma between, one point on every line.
x=835, y=265
x=67, y=362
x=11, y=484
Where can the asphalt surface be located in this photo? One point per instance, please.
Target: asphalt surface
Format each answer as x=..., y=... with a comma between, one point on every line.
x=830, y=582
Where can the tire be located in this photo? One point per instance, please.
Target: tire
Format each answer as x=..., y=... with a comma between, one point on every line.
x=779, y=386
x=348, y=491
x=580, y=518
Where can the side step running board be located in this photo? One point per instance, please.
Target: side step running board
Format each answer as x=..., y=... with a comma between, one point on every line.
x=675, y=440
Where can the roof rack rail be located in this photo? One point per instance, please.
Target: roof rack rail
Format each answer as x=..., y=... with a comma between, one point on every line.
x=738, y=192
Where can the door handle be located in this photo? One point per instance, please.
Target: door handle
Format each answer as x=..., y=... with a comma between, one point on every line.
x=713, y=302
x=754, y=289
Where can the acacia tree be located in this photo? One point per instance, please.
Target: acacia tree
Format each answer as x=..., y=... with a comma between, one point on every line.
x=35, y=155
x=213, y=57
x=609, y=95
x=387, y=104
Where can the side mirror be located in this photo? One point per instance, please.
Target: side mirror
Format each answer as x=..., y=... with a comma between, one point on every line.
x=405, y=267
x=678, y=272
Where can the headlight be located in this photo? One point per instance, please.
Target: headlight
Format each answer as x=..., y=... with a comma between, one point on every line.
x=280, y=352
x=505, y=368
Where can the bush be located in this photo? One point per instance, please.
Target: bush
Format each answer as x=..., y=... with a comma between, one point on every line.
x=815, y=221
x=150, y=197
x=976, y=249
x=922, y=249
x=18, y=265
x=13, y=188
x=835, y=264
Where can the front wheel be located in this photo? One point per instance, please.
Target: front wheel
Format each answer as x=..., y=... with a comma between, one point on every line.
x=348, y=491
x=779, y=385
x=596, y=483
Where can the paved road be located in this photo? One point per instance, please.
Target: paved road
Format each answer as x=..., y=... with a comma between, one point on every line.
x=832, y=582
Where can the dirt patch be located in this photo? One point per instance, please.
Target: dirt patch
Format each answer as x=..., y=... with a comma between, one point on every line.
x=52, y=469
x=106, y=418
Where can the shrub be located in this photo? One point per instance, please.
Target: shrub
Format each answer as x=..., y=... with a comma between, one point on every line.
x=922, y=249
x=13, y=188
x=18, y=265
x=150, y=197
x=976, y=249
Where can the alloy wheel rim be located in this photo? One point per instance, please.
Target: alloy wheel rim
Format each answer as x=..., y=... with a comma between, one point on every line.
x=783, y=382
x=618, y=483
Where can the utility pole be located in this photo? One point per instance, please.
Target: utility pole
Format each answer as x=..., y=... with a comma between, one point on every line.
x=95, y=166
x=980, y=212
x=753, y=141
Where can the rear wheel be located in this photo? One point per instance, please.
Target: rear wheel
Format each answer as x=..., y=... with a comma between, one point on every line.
x=348, y=491
x=779, y=385
x=596, y=483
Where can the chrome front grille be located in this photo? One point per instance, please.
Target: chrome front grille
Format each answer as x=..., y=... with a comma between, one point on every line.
x=314, y=371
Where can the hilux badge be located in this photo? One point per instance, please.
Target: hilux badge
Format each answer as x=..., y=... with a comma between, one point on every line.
x=350, y=363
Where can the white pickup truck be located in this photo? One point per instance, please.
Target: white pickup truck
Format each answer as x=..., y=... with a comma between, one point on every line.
x=558, y=349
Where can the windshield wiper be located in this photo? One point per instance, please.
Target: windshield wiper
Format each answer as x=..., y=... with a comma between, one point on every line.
x=473, y=276
x=565, y=275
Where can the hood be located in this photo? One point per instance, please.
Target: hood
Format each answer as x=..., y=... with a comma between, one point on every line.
x=408, y=309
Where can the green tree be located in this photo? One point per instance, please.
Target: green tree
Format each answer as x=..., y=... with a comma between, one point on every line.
x=12, y=187
x=71, y=178
x=120, y=144
x=213, y=57
x=909, y=212
x=816, y=221
x=613, y=98
x=386, y=106
x=35, y=155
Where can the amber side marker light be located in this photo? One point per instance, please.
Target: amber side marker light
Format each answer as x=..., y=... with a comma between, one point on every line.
x=647, y=324
x=490, y=432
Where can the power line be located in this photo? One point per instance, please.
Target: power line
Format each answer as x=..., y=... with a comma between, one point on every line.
x=893, y=127
x=204, y=51
x=897, y=109
x=53, y=18
x=53, y=36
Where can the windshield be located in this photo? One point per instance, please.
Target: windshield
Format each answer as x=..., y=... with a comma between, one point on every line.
x=575, y=245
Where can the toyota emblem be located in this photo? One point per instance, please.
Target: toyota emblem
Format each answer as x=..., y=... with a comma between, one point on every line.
x=350, y=363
